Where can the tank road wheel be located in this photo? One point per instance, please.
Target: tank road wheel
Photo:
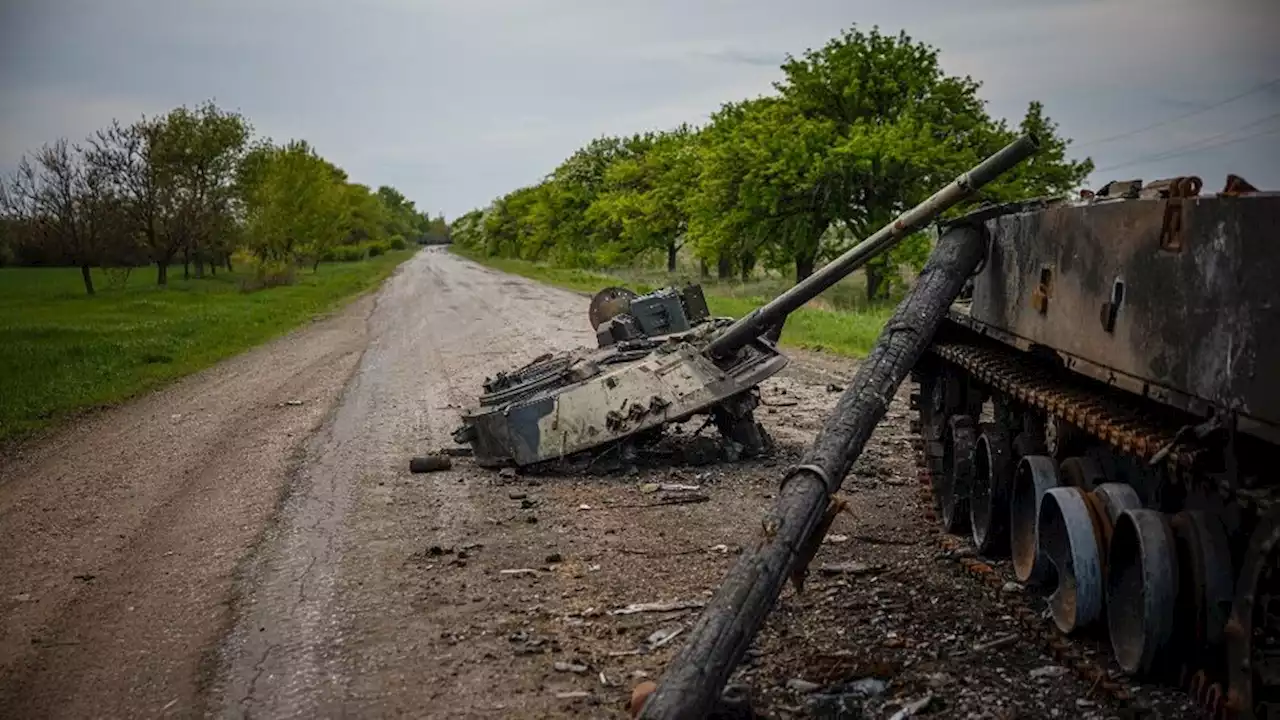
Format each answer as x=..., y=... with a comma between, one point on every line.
x=992, y=483
x=1253, y=632
x=1066, y=534
x=1142, y=590
x=1036, y=475
x=1083, y=472
x=1206, y=587
x=954, y=484
x=1074, y=530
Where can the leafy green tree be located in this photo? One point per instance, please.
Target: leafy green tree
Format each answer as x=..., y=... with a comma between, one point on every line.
x=900, y=128
x=558, y=225
x=197, y=153
x=400, y=216
x=467, y=230
x=297, y=207
x=439, y=231
x=645, y=195
x=176, y=177
x=367, y=215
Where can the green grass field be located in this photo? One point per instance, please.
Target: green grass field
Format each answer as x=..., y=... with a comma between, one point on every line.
x=844, y=323
x=62, y=352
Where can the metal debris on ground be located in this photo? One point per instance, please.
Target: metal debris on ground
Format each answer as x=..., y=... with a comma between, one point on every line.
x=429, y=463
x=659, y=607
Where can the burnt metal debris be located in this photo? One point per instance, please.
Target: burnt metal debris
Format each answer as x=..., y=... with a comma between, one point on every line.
x=662, y=359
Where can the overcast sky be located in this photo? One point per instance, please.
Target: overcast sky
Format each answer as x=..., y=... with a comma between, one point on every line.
x=457, y=101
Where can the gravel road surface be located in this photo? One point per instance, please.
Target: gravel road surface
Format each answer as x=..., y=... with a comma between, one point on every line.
x=249, y=543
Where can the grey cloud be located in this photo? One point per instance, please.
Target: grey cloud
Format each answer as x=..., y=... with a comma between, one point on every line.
x=745, y=57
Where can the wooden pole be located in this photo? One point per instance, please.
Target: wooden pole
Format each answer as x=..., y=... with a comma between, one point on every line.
x=693, y=681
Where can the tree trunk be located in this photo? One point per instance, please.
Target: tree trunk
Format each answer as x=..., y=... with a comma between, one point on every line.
x=875, y=282
x=199, y=264
x=724, y=267
x=213, y=266
x=804, y=265
x=162, y=272
x=693, y=681
x=186, y=263
x=228, y=258
x=671, y=257
x=703, y=271
x=88, y=279
x=748, y=265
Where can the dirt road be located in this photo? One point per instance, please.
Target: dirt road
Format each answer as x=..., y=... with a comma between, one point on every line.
x=249, y=543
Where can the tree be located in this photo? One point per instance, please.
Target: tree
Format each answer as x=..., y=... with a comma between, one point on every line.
x=296, y=206
x=901, y=128
x=729, y=216
x=367, y=216
x=400, y=216
x=125, y=155
x=175, y=175
x=467, y=230
x=197, y=152
x=556, y=221
x=64, y=201
x=439, y=231
x=645, y=195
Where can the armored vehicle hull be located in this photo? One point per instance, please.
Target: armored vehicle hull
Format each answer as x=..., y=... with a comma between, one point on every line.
x=1103, y=406
x=567, y=404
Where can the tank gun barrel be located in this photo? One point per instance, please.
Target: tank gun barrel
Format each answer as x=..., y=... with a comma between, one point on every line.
x=752, y=325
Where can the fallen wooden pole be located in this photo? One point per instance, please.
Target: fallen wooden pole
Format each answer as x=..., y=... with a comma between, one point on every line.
x=693, y=681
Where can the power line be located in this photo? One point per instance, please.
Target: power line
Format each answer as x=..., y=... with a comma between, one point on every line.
x=1176, y=118
x=1202, y=144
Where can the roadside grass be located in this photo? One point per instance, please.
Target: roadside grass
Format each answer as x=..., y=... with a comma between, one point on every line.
x=63, y=352
x=839, y=321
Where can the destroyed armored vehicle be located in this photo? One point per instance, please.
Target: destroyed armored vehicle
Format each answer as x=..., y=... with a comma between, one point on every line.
x=648, y=371
x=1102, y=405
x=663, y=359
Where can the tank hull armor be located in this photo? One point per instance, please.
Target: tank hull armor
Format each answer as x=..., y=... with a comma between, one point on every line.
x=1114, y=368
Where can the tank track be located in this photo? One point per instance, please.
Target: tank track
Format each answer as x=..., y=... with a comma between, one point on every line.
x=965, y=375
